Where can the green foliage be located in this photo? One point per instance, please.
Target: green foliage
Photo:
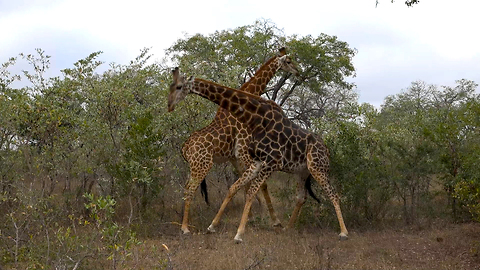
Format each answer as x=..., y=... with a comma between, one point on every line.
x=409, y=3
x=116, y=240
x=79, y=151
x=422, y=139
x=231, y=57
x=228, y=56
x=357, y=167
x=38, y=234
x=468, y=192
x=62, y=137
x=138, y=168
x=434, y=137
x=407, y=148
x=467, y=180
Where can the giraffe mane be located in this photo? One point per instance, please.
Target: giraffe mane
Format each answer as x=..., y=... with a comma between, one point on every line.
x=233, y=89
x=261, y=69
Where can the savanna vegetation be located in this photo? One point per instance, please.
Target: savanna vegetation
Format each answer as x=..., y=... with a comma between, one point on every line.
x=409, y=3
x=91, y=175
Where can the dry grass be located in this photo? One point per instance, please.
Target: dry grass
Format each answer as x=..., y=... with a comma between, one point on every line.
x=450, y=247
x=438, y=245
x=434, y=246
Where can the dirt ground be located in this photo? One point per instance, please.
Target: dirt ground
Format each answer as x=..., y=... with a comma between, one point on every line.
x=445, y=247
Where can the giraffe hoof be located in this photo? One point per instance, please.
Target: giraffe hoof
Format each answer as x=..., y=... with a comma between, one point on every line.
x=211, y=229
x=277, y=225
x=342, y=237
x=186, y=231
x=237, y=240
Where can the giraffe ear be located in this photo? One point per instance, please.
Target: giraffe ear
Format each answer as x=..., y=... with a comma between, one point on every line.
x=175, y=73
x=282, y=58
x=191, y=79
x=282, y=51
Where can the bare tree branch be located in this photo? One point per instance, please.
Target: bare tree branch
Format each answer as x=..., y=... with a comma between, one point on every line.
x=286, y=95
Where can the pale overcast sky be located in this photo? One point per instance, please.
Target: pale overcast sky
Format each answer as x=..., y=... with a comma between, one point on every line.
x=436, y=41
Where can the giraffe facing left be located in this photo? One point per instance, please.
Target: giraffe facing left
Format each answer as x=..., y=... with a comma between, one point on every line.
x=226, y=139
x=277, y=143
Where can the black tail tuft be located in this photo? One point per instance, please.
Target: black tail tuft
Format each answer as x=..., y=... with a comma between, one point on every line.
x=308, y=186
x=203, y=190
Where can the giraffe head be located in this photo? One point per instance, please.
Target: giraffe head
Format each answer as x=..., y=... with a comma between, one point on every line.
x=285, y=62
x=178, y=89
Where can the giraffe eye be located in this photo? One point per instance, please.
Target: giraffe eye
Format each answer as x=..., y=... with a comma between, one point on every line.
x=179, y=87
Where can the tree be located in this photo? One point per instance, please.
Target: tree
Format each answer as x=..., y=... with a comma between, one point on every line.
x=430, y=133
x=455, y=130
x=230, y=57
x=407, y=148
x=409, y=3
x=467, y=187
x=13, y=106
x=357, y=164
x=63, y=137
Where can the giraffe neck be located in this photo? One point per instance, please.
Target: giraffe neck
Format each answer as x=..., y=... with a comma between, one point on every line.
x=258, y=83
x=244, y=106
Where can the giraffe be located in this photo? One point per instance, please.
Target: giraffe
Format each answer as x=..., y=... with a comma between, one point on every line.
x=225, y=138
x=277, y=144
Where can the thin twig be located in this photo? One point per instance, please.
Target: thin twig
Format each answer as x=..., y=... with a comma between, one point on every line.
x=179, y=224
x=169, y=259
x=255, y=263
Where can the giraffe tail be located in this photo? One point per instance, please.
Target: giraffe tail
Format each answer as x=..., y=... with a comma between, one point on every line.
x=308, y=186
x=203, y=190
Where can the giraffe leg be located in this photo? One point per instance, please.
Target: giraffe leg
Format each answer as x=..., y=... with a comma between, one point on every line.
x=322, y=179
x=245, y=190
x=264, y=188
x=245, y=178
x=255, y=185
x=186, y=209
x=196, y=177
x=243, y=158
x=268, y=201
x=301, y=198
